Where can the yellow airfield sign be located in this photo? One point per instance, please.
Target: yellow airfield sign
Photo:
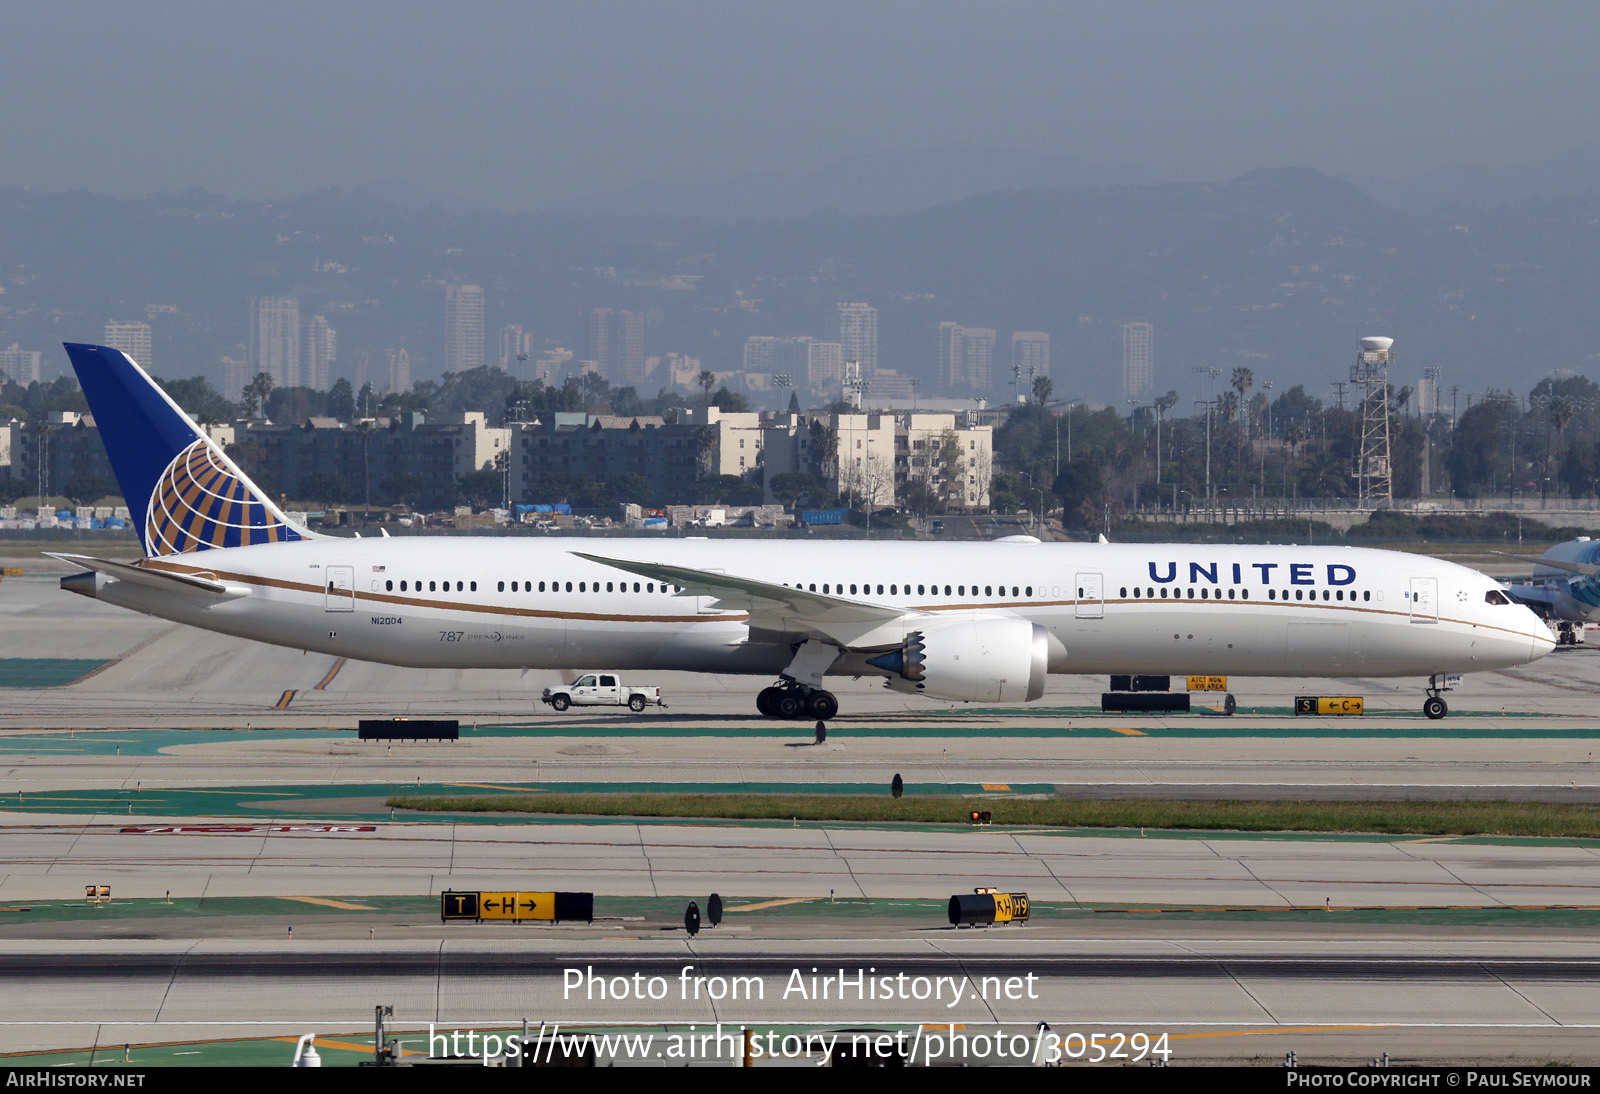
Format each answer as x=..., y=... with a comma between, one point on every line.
x=1324, y=704
x=515, y=906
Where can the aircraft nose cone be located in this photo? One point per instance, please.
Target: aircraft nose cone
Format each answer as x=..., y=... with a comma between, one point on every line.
x=1541, y=643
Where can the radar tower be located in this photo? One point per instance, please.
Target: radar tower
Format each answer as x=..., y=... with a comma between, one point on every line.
x=1371, y=371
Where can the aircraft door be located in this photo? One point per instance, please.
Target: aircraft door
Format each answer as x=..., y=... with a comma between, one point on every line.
x=340, y=588
x=1424, y=600
x=1090, y=602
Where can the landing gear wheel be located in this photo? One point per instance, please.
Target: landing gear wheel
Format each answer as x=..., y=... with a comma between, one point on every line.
x=789, y=704
x=1434, y=707
x=766, y=702
x=636, y=704
x=822, y=706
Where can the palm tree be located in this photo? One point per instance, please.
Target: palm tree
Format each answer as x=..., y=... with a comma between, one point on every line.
x=1243, y=380
x=825, y=450
x=254, y=396
x=366, y=427
x=705, y=447
x=1042, y=389
x=707, y=380
x=1562, y=411
x=1293, y=434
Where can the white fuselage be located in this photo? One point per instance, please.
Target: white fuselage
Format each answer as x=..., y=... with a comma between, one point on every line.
x=1157, y=608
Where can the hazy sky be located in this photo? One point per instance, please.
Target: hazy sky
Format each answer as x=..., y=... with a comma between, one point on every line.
x=515, y=104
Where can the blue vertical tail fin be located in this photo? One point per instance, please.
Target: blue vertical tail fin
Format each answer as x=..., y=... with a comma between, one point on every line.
x=183, y=492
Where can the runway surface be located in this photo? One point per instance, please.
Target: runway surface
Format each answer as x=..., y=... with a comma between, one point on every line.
x=1252, y=999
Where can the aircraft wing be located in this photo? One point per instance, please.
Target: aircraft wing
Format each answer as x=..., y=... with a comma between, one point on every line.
x=776, y=607
x=155, y=579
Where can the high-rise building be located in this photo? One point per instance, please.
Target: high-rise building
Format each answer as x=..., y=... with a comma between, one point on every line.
x=275, y=338
x=1428, y=392
x=515, y=344
x=980, y=357
x=1138, y=363
x=1030, y=355
x=235, y=375
x=966, y=357
x=952, y=356
x=824, y=364
x=629, y=348
x=858, y=334
x=132, y=339
x=399, y=370
x=616, y=345
x=550, y=364
x=779, y=356
x=23, y=366
x=463, y=327
x=322, y=349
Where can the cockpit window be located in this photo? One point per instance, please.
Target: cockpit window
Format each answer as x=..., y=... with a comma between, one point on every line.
x=1495, y=596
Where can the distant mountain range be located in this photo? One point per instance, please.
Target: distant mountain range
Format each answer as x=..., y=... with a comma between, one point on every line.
x=1574, y=172
x=1278, y=270
x=909, y=182
x=875, y=183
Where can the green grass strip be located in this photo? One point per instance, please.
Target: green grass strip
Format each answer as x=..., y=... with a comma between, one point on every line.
x=1497, y=818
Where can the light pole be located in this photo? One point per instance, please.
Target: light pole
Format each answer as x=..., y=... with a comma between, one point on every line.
x=1211, y=374
x=1071, y=403
x=1207, y=403
x=1159, y=406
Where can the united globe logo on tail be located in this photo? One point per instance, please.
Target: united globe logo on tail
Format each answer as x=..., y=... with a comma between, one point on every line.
x=183, y=492
x=200, y=503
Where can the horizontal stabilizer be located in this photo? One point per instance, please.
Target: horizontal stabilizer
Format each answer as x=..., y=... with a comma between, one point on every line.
x=1581, y=568
x=188, y=584
x=1535, y=596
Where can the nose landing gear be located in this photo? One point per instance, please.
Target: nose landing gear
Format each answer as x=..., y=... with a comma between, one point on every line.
x=1434, y=706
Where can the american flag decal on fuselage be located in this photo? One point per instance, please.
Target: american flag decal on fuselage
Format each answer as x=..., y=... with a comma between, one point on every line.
x=200, y=503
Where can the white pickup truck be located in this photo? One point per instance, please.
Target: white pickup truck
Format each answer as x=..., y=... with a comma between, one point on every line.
x=601, y=689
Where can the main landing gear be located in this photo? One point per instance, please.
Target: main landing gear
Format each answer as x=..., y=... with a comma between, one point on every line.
x=799, y=692
x=789, y=700
x=1434, y=706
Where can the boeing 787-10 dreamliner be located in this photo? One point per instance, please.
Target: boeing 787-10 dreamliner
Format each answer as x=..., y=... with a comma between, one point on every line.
x=972, y=622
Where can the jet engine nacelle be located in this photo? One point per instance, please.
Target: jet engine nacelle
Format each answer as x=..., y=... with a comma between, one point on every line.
x=989, y=660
